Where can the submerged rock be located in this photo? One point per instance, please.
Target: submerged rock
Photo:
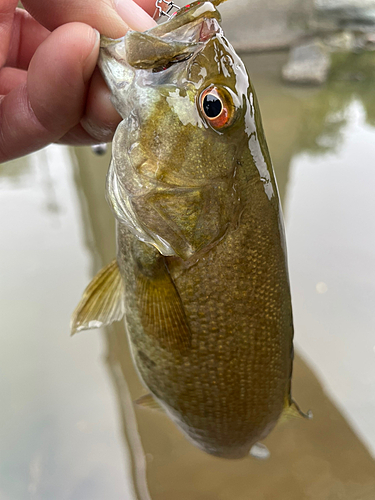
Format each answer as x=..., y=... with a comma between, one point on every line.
x=308, y=64
x=347, y=11
x=344, y=41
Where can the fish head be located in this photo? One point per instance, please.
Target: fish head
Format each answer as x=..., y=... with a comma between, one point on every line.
x=186, y=103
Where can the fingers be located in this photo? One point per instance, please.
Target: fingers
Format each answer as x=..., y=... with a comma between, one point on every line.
x=134, y=15
x=7, y=8
x=147, y=6
x=77, y=136
x=53, y=101
x=11, y=78
x=27, y=34
x=110, y=17
x=51, y=106
x=101, y=118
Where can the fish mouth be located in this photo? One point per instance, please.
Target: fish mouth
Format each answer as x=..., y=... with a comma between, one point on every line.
x=158, y=48
x=147, y=51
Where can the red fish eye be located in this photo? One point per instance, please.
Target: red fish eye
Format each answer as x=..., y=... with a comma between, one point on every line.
x=216, y=107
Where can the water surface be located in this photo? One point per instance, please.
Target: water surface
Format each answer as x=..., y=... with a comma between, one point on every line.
x=68, y=428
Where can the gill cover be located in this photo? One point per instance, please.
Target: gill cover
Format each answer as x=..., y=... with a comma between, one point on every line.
x=177, y=196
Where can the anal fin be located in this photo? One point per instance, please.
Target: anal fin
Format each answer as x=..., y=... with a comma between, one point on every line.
x=102, y=301
x=292, y=410
x=148, y=401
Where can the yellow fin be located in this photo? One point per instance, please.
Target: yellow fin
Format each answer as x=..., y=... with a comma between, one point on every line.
x=102, y=301
x=148, y=401
x=161, y=310
x=292, y=410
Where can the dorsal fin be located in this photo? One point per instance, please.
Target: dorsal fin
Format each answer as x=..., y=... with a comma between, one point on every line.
x=102, y=301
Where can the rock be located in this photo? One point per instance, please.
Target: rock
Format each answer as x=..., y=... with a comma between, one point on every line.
x=308, y=64
x=266, y=25
x=341, y=42
x=369, y=41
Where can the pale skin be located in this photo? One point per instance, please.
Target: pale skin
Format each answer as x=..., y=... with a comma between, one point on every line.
x=50, y=88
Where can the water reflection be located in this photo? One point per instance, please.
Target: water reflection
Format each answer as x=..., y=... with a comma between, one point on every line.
x=58, y=435
x=339, y=334
x=99, y=227
x=326, y=110
x=68, y=431
x=310, y=119
x=309, y=460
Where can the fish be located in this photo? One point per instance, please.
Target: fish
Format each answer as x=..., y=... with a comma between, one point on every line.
x=201, y=276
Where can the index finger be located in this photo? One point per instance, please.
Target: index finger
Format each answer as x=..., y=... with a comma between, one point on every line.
x=112, y=18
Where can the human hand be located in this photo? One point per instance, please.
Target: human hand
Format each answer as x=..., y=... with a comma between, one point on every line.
x=50, y=90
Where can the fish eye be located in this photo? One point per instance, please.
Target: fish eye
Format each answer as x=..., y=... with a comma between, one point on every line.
x=217, y=107
x=212, y=106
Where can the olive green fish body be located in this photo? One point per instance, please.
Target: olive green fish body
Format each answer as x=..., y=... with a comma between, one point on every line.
x=201, y=250
x=228, y=388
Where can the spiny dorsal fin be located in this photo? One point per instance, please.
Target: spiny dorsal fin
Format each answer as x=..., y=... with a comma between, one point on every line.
x=292, y=410
x=102, y=301
x=161, y=310
x=148, y=401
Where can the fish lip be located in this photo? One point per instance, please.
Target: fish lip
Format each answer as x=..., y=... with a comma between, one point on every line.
x=207, y=27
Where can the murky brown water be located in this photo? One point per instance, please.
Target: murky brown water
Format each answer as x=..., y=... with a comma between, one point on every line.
x=68, y=429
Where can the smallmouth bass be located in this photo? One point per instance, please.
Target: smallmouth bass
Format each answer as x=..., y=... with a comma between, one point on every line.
x=201, y=274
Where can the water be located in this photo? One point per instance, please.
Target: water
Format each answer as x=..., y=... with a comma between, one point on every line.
x=68, y=430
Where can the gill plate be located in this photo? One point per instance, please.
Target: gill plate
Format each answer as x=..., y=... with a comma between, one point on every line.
x=120, y=202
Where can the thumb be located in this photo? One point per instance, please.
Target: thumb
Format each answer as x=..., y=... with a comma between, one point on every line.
x=53, y=99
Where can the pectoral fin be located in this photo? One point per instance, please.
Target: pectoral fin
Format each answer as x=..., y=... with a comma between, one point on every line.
x=159, y=304
x=102, y=301
x=161, y=310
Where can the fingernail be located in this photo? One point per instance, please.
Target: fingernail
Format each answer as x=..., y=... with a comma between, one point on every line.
x=95, y=38
x=90, y=61
x=134, y=16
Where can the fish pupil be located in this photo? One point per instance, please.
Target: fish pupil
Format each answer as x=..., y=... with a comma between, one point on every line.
x=212, y=106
